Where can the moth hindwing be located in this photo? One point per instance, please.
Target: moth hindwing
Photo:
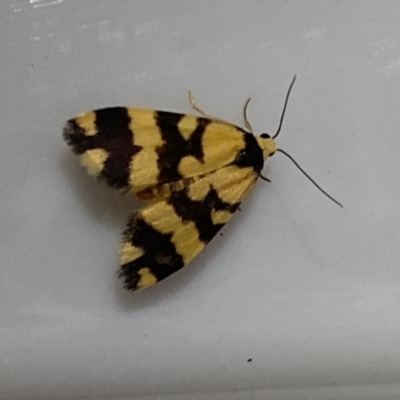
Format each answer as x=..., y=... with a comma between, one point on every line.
x=194, y=170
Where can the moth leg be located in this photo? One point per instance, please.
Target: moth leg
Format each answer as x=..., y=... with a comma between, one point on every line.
x=246, y=121
x=195, y=106
x=201, y=112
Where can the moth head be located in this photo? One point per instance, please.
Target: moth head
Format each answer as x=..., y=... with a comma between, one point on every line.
x=267, y=144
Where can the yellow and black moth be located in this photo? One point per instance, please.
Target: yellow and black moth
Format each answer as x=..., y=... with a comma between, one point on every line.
x=194, y=170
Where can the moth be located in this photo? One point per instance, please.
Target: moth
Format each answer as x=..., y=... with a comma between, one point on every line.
x=194, y=170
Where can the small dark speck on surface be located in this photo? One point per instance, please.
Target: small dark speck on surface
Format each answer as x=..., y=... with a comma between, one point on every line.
x=250, y=360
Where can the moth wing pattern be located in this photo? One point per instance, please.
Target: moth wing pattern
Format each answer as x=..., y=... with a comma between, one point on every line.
x=164, y=236
x=133, y=149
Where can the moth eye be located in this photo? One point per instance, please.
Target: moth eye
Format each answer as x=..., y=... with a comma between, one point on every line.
x=265, y=136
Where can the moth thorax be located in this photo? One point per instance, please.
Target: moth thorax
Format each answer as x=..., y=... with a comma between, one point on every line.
x=267, y=145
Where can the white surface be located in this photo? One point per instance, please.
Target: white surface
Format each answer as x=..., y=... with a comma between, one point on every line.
x=310, y=292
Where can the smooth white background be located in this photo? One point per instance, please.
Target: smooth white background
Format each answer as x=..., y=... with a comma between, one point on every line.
x=309, y=292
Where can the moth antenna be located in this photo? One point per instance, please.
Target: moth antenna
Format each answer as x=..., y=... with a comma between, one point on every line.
x=264, y=178
x=246, y=121
x=309, y=177
x=195, y=106
x=201, y=112
x=284, y=107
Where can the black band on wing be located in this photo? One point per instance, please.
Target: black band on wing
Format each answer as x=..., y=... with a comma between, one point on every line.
x=175, y=146
x=112, y=135
x=160, y=255
x=200, y=211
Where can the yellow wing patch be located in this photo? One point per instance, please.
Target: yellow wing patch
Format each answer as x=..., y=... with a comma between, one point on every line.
x=87, y=122
x=129, y=253
x=187, y=126
x=94, y=160
x=146, y=279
